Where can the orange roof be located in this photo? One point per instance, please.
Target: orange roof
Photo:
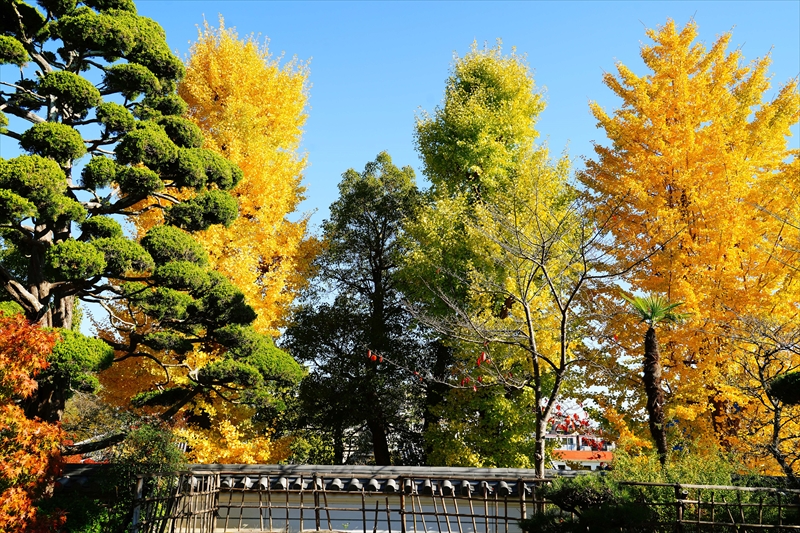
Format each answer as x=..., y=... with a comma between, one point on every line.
x=579, y=455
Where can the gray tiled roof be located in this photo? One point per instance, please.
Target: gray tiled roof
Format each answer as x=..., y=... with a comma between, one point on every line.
x=413, y=479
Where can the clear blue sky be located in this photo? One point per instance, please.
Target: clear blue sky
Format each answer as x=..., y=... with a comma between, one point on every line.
x=375, y=65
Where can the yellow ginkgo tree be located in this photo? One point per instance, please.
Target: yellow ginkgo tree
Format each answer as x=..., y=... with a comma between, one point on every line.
x=251, y=110
x=699, y=149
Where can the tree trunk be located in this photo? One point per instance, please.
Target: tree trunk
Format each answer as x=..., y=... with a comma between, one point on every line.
x=377, y=426
x=57, y=312
x=338, y=445
x=94, y=444
x=380, y=444
x=539, y=446
x=655, y=395
x=436, y=390
x=48, y=400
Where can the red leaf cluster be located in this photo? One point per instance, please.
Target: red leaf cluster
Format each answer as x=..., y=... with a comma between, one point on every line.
x=29, y=449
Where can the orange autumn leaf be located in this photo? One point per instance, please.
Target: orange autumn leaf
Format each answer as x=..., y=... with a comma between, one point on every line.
x=29, y=449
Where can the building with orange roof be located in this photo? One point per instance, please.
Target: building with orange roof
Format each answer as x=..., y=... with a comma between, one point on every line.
x=588, y=459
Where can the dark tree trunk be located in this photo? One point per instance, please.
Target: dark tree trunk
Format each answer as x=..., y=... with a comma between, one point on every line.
x=93, y=445
x=338, y=445
x=655, y=395
x=378, y=429
x=377, y=338
x=436, y=389
x=48, y=400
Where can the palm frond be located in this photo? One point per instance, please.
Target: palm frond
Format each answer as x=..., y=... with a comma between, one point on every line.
x=654, y=309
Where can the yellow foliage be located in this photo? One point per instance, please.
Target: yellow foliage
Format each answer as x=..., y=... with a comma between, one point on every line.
x=475, y=141
x=625, y=438
x=698, y=165
x=232, y=443
x=251, y=111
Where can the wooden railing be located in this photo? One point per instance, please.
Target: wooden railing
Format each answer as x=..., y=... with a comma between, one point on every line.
x=184, y=502
x=691, y=508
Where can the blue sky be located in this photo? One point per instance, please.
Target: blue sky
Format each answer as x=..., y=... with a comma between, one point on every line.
x=376, y=65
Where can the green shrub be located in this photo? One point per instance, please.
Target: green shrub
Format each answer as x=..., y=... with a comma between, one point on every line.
x=591, y=503
x=130, y=79
x=73, y=259
x=147, y=144
x=204, y=210
x=182, y=131
x=168, y=243
x=99, y=172
x=105, y=505
x=99, y=227
x=701, y=467
x=116, y=118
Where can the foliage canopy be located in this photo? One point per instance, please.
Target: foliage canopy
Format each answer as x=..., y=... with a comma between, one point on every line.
x=99, y=80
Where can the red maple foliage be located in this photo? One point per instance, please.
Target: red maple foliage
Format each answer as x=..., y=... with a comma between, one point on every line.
x=29, y=449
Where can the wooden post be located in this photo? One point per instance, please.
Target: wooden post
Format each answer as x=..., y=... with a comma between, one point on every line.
x=388, y=516
x=316, y=501
x=138, y=509
x=402, y=506
x=287, y=508
x=485, y=492
x=458, y=514
x=436, y=511
x=327, y=509
x=301, y=504
x=269, y=502
x=217, y=484
x=363, y=511
x=699, y=506
x=446, y=514
x=496, y=513
x=678, y=508
x=472, y=512
x=241, y=505
x=713, y=509
x=421, y=514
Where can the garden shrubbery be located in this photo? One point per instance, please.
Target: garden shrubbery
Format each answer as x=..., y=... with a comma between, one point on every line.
x=607, y=501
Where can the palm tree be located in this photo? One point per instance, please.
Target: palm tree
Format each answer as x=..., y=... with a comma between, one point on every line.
x=654, y=310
